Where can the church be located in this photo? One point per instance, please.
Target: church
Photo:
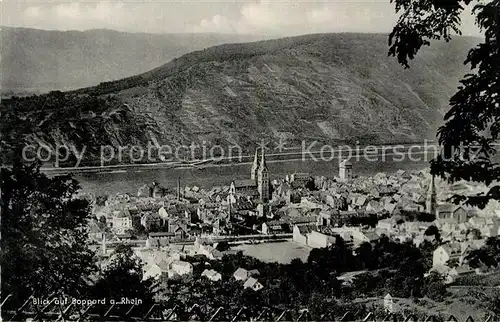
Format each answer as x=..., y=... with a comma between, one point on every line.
x=257, y=187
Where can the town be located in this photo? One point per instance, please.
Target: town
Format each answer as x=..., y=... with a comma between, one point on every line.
x=284, y=219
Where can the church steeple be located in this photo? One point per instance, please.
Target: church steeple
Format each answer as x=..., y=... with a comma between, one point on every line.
x=263, y=165
x=263, y=179
x=255, y=166
x=430, y=203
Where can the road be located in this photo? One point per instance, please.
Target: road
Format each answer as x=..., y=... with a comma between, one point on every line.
x=240, y=239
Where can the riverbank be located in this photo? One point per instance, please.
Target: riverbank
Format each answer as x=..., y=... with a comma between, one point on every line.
x=372, y=154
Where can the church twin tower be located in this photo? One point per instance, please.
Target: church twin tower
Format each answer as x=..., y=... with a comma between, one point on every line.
x=260, y=175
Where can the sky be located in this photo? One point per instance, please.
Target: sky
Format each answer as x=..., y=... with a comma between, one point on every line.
x=258, y=17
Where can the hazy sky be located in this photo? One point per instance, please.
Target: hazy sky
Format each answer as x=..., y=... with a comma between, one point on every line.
x=276, y=17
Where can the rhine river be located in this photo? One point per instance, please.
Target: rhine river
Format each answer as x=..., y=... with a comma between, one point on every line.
x=129, y=180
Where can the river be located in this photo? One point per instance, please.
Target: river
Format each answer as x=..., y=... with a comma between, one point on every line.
x=129, y=180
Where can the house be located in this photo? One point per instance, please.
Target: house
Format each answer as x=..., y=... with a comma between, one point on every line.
x=210, y=252
x=345, y=215
x=410, y=205
x=246, y=186
x=212, y=275
x=449, y=255
x=203, y=247
x=180, y=268
x=120, y=224
x=241, y=274
x=387, y=224
x=478, y=222
x=403, y=174
x=253, y=284
x=273, y=227
x=360, y=237
x=151, y=220
x=95, y=232
x=451, y=212
x=178, y=228
x=316, y=239
x=451, y=274
x=159, y=239
x=390, y=208
x=360, y=202
x=156, y=270
x=488, y=231
x=462, y=270
x=300, y=180
x=374, y=207
x=300, y=233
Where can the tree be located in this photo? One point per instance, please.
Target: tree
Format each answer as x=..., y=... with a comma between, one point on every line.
x=474, y=233
x=44, y=235
x=122, y=277
x=488, y=254
x=433, y=231
x=472, y=124
x=434, y=287
x=222, y=246
x=492, y=302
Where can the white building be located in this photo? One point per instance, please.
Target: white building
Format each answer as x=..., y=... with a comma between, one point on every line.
x=444, y=255
x=241, y=274
x=212, y=275
x=345, y=170
x=253, y=284
x=121, y=224
x=389, y=303
x=180, y=268
x=155, y=270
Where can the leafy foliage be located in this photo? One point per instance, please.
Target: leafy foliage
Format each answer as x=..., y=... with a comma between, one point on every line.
x=44, y=236
x=122, y=277
x=472, y=124
x=488, y=255
x=391, y=267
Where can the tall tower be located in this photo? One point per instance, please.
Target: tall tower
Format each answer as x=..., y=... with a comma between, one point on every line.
x=430, y=202
x=178, y=189
x=255, y=166
x=345, y=170
x=263, y=179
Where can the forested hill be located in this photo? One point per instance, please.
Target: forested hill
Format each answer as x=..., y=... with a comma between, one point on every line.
x=44, y=60
x=327, y=87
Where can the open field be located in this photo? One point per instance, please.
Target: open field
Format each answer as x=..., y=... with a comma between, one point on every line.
x=282, y=252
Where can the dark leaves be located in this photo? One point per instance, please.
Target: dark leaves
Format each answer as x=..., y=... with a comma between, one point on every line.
x=419, y=23
x=404, y=43
x=44, y=237
x=472, y=125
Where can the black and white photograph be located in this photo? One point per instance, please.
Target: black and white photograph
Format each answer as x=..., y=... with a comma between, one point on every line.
x=250, y=160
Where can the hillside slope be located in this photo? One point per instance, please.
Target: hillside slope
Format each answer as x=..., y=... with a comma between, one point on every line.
x=332, y=88
x=43, y=60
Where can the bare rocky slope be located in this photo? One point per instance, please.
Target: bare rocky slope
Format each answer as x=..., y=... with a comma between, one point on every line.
x=332, y=88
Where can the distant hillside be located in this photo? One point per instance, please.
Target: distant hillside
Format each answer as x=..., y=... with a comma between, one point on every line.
x=328, y=87
x=40, y=60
